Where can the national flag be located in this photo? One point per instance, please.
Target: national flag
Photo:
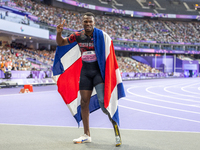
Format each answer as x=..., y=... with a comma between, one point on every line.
x=67, y=68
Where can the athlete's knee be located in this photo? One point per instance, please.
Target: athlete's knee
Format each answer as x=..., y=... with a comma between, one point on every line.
x=84, y=103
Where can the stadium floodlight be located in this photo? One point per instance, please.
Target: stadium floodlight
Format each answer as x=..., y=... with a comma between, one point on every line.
x=151, y=5
x=197, y=7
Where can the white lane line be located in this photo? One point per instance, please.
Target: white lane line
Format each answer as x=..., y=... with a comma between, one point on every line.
x=167, y=101
x=149, y=112
x=161, y=106
x=189, y=91
x=28, y=93
x=178, y=93
x=182, y=99
x=145, y=85
x=159, y=83
x=38, y=125
x=199, y=88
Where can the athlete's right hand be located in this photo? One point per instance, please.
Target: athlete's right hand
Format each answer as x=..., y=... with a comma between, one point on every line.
x=59, y=28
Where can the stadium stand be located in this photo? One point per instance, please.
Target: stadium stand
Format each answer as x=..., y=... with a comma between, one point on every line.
x=102, y=3
x=182, y=57
x=17, y=57
x=161, y=6
x=25, y=59
x=138, y=29
x=126, y=64
x=151, y=30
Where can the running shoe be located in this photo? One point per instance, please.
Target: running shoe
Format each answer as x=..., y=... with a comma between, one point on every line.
x=83, y=139
x=118, y=141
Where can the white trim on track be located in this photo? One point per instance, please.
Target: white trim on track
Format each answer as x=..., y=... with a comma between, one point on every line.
x=20, y=94
x=149, y=112
x=51, y=126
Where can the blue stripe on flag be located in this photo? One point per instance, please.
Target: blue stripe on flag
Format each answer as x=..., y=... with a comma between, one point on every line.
x=94, y=105
x=78, y=115
x=99, y=45
x=60, y=52
x=120, y=89
x=116, y=116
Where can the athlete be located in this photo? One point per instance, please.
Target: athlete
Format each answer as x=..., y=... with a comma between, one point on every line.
x=90, y=73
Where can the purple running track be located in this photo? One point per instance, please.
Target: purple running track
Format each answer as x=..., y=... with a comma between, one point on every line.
x=160, y=104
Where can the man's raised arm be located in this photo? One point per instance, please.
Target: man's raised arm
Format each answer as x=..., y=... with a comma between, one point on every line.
x=59, y=39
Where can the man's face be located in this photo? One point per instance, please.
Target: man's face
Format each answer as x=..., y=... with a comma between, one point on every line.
x=88, y=23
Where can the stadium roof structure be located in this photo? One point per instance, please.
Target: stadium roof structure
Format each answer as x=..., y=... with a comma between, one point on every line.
x=186, y=7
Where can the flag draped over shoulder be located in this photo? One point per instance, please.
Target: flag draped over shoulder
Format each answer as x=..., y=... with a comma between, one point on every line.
x=66, y=71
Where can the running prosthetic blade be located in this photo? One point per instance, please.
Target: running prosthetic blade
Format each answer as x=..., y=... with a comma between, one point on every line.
x=117, y=133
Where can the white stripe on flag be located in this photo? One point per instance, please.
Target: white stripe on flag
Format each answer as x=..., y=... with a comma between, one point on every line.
x=113, y=102
x=118, y=75
x=70, y=57
x=94, y=92
x=107, y=41
x=55, y=78
x=75, y=103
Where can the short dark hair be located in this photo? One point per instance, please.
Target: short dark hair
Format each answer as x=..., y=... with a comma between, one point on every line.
x=88, y=14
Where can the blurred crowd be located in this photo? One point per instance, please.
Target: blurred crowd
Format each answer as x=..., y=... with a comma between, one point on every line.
x=18, y=58
x=11, y=60
x=15, y=56
x=182, y=57
x=42, y=56
x=118, y=27
x=127, y=64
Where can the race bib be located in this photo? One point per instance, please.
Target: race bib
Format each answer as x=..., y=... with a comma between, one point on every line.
x=89, y=56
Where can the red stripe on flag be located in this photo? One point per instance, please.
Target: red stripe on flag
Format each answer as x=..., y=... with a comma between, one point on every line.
x=68, y=82
x=110, y=75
